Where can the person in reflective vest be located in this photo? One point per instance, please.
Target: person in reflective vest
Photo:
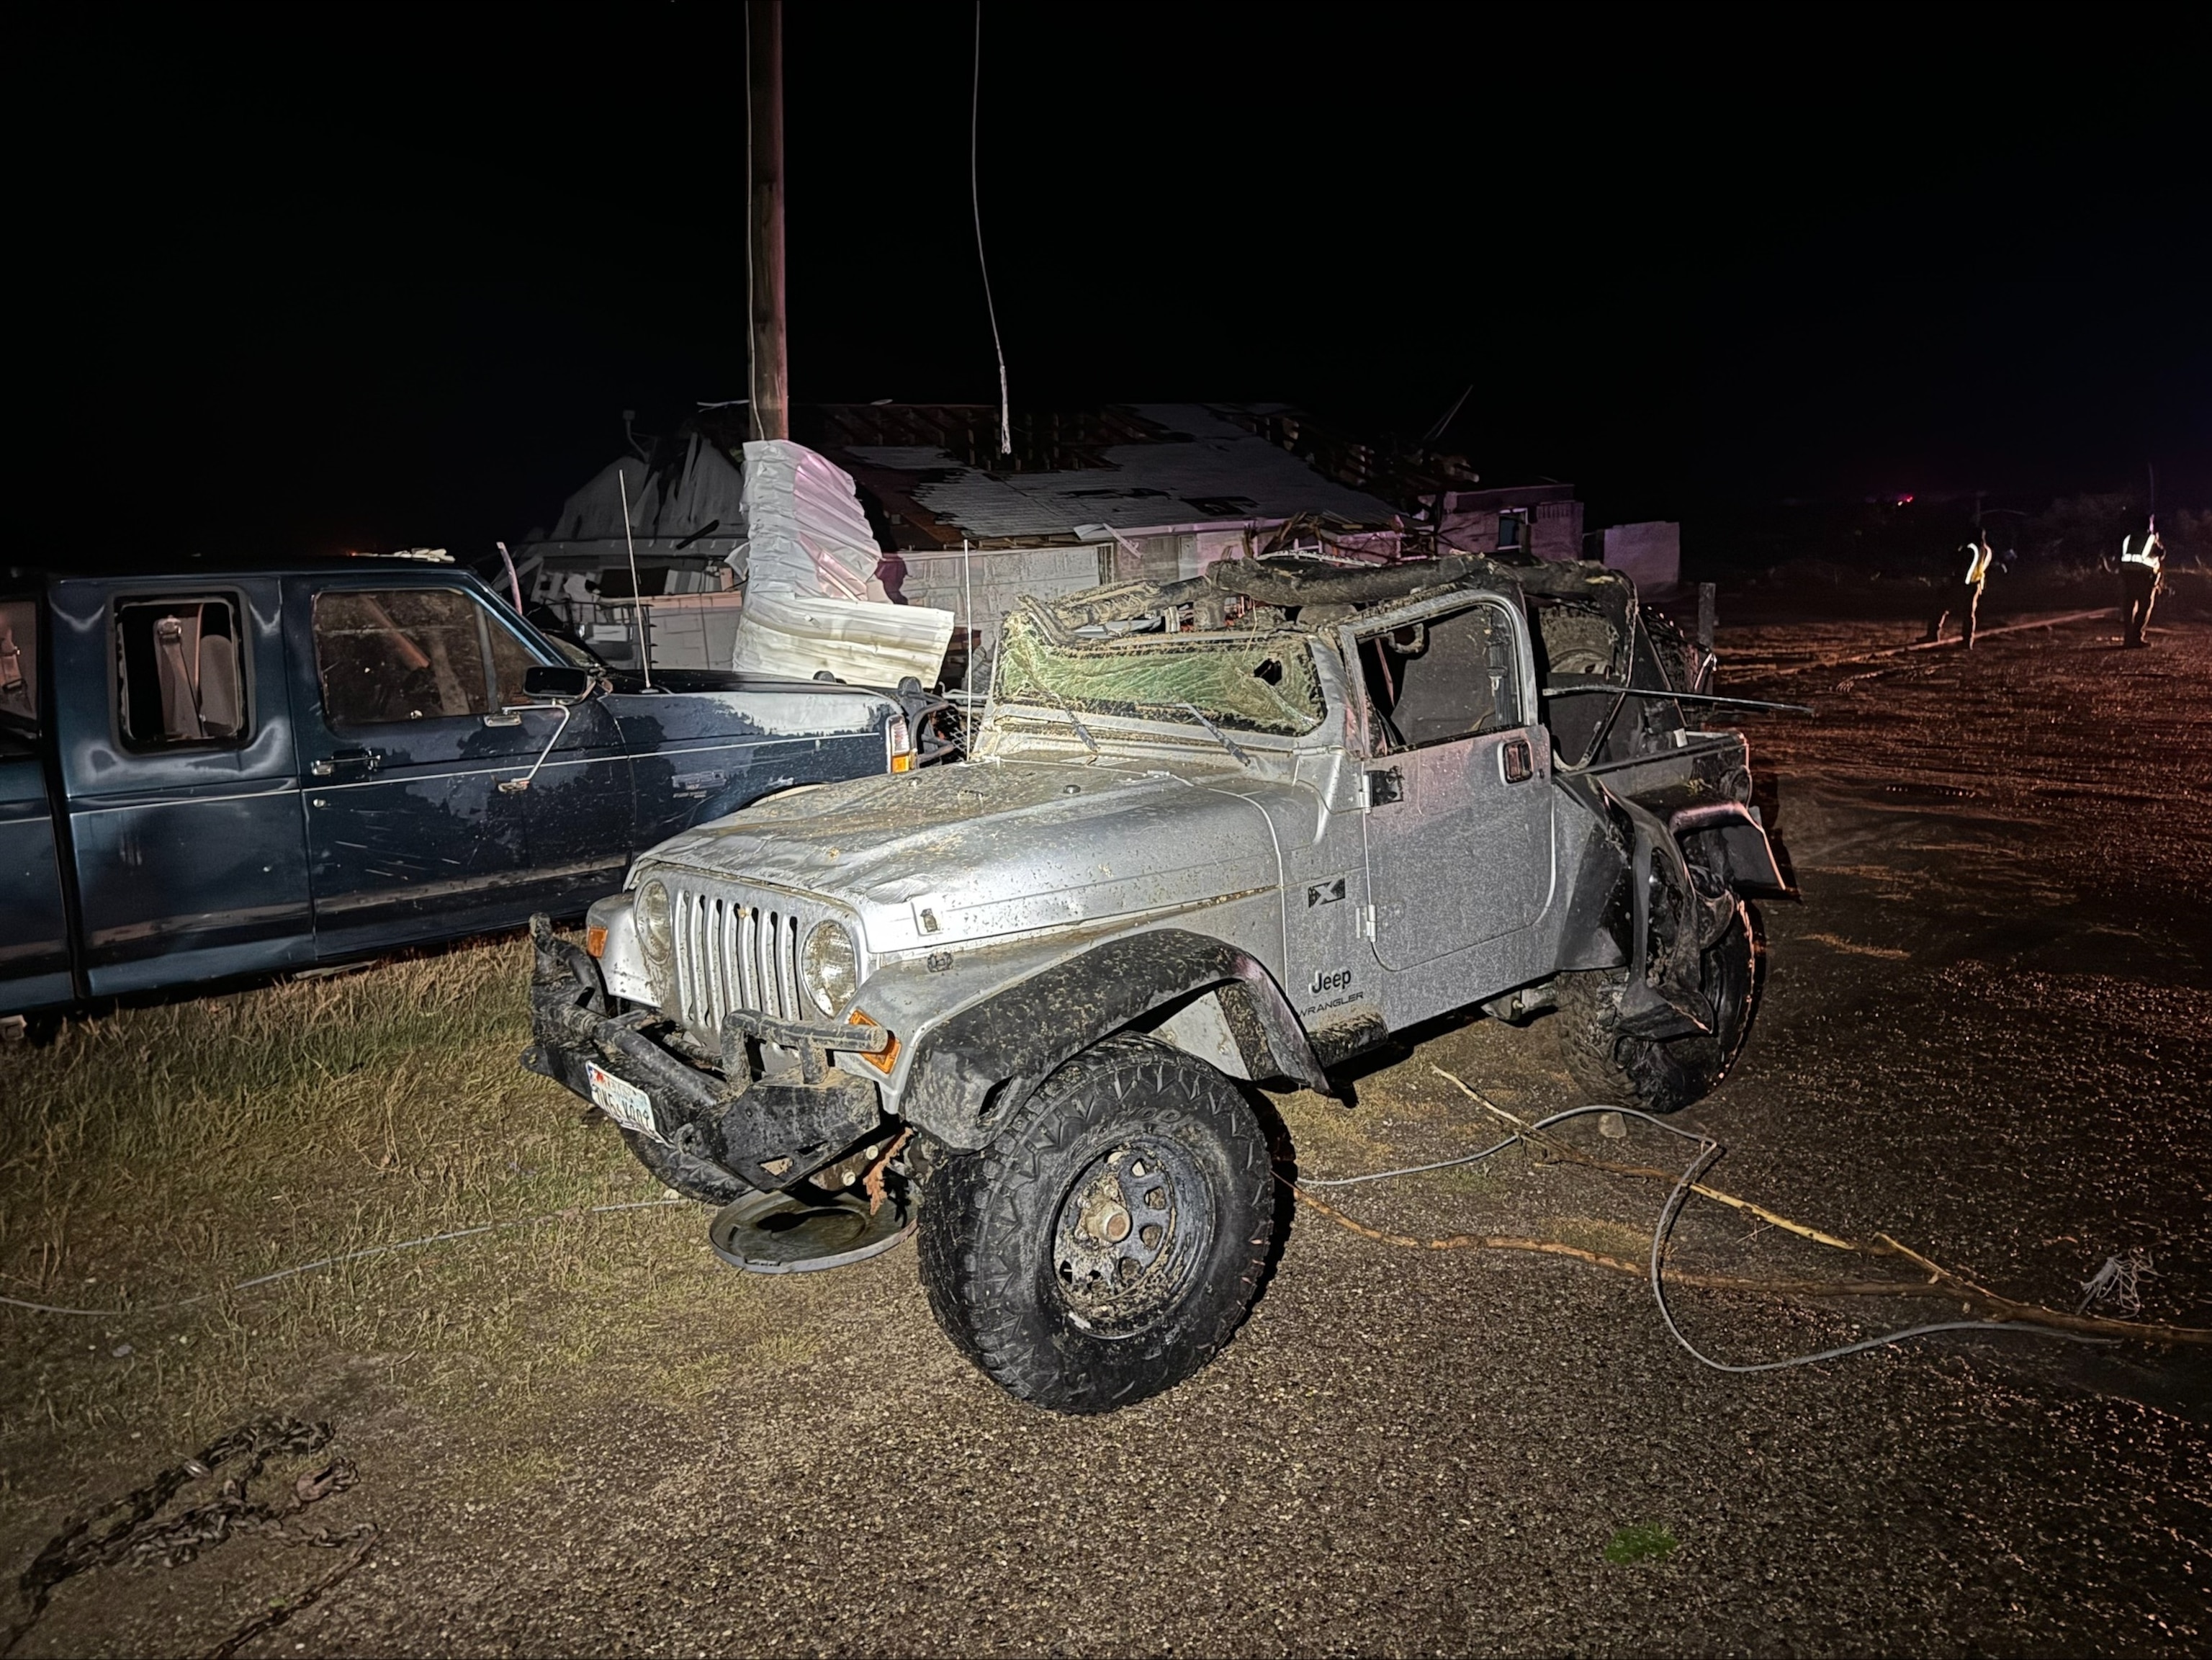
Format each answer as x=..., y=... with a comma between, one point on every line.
x=2142, y=561
x=1973, y=563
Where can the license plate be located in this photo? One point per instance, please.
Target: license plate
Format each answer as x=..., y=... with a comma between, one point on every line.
x=626, y=1104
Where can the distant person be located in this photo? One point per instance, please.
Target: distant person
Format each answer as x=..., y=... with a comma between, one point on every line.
x=1964, y=596
x=2142, y=563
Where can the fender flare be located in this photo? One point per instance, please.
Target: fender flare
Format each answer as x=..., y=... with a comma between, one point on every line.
x=1599, y=926
x=971, y=1073
x=1746, y=853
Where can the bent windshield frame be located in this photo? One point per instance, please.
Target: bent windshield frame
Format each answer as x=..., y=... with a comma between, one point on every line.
x=1263, y=683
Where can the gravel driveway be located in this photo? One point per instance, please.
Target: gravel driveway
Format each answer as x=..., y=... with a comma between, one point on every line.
x=1988, y=1031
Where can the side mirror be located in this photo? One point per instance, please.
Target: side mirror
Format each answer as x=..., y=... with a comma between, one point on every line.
x=563, y=683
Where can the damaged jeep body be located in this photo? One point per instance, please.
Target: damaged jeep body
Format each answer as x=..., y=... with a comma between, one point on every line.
x=1229, y=831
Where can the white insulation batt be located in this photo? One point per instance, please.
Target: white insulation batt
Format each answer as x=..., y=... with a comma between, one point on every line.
x=812, y=600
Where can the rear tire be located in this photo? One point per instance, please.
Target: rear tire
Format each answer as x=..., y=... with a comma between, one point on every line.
x=1112, y=1239
x=1661, y=1075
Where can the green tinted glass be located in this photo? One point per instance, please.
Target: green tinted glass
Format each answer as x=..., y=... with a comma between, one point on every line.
x=1247, y=683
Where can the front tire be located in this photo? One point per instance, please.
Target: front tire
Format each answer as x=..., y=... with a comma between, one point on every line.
x=1112, y=1239
x=1661, y=1075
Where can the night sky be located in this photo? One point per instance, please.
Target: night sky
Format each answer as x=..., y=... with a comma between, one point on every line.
x=313, y=291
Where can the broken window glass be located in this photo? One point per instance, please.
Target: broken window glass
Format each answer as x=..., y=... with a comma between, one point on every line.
x=1263, y=683
x=181, y=678
x=391, y=654
x=1431, y=682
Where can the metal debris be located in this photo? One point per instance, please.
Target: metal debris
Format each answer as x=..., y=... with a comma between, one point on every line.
x=133, y=1529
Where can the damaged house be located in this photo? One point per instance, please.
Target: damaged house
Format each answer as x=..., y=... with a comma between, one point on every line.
x=676, y=506
x=1156, y=491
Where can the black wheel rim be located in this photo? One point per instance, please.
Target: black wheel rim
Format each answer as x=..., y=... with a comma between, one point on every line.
x=1131, y=1234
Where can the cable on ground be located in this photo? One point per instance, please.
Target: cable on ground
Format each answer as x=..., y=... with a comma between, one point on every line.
x=2006, y=1314
x=334, y=1261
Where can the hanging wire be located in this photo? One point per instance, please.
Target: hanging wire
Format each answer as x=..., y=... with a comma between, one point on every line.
x=975, y=203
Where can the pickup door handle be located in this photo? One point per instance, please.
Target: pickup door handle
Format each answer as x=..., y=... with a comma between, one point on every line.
x=1517, y=760
x=1384, y=786
x=348, y=764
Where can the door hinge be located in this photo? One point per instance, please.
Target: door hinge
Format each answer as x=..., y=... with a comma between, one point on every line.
x=1367, y=921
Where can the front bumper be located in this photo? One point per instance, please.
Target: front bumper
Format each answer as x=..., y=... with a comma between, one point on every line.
x=770, y=1131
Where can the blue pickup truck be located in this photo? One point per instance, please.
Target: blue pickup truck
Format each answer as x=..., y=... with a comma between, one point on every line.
x=215, y=771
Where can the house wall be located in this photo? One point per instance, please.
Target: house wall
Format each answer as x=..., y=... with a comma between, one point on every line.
x=1554, y=518
x=1650, y=555
x=991, y=580
x=1555, y=530
x=694, y=631
x=997, y=578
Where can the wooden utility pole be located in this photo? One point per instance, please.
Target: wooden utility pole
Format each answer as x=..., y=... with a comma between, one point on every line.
x=771, y=404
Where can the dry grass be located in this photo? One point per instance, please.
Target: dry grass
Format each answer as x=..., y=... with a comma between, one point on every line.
x=160, y=1151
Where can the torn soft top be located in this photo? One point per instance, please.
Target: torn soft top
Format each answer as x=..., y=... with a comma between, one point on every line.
x=1297, y=584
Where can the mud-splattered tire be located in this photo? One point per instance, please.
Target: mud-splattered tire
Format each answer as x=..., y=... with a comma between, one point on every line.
x=1660, y=1075
x=1112, y=1239
x=677, y=1171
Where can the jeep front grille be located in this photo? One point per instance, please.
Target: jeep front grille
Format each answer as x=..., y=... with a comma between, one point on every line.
x=731, y=955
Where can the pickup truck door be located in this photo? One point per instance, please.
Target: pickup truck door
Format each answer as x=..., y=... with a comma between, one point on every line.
x=34, y=953
x=1457, y=795
x=415, y=754
x=175, y=748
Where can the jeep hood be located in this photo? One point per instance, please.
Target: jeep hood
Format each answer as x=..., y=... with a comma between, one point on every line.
x=988, y=849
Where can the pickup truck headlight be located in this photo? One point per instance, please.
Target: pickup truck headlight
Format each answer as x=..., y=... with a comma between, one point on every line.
x=830, y=966
x=654, y=921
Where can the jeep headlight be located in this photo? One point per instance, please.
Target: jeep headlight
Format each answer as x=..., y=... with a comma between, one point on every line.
x=654, y=921
x=830, y=967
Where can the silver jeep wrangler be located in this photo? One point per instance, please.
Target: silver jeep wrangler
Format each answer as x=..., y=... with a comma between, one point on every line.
x=1214, y=835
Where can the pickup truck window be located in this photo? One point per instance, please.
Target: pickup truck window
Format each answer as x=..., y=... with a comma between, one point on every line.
x=179, y=676
x=19, y=666
x=1430, y=683
x=510, y=662
x=1257, y=683
x=385, y=655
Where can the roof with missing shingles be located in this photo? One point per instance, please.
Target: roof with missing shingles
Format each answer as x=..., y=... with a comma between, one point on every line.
x=936, y=473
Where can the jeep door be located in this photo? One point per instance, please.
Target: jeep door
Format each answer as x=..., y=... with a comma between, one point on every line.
x=1457, y=802
x=35, y=944
x=414, y=751
x=175, y=747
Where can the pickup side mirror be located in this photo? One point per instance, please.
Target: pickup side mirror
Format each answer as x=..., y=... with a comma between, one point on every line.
x=562, y=682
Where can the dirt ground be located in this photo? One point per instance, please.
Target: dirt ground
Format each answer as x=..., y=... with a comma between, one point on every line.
x=1987, y=1030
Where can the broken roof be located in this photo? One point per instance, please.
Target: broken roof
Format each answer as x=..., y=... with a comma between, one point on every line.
x=935, y=473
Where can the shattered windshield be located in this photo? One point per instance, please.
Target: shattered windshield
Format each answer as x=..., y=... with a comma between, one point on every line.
x=1248, y=683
